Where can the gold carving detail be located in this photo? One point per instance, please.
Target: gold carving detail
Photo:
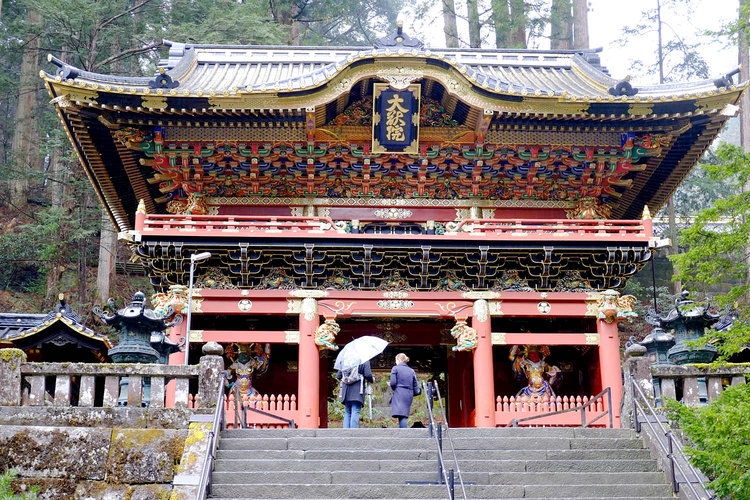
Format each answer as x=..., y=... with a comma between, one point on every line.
x=395, y=305
x=496, y=307
x=592, y=339
x=291, y=336
x=393, y=213
x=196, y=335
x=481, y=310
x=154, y=101
x=399, y=77
x=294, y=306
x=309, y=308
x=498, y=338
x=640, y=109
x=396, y=295
x=244, y=305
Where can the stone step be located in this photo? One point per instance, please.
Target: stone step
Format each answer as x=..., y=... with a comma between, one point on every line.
x=516, y=466
x=397, y=443
x=458, y=496
x=525, y=432
x=346, y=476
x=431, y=454
x=423, y=491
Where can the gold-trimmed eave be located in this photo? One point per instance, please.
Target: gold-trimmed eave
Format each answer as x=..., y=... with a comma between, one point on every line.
x=60, y=319
x=116, y=213
x=688, y=161
x=452, y=77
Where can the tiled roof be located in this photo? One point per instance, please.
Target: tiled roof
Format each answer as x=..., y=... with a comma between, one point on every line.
x=227, y=69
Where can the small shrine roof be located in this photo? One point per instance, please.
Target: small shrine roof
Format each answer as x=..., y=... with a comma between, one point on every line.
x=20, y=327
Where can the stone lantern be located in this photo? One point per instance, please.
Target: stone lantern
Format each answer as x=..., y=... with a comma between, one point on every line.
x=141, y=330
x=689, y=321
x=657, y=344
x=136, y=324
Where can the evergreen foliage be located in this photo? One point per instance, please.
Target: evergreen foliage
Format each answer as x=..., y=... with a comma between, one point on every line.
x=6, y=491
x=720, y=436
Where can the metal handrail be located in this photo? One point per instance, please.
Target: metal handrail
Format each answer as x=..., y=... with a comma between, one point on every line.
x=204, y=486
x=245, y=408
x=581, y=408
x=443, y=475
x=450, y=440
x=673, y=448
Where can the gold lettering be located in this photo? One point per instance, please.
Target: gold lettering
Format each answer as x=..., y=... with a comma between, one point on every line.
x=394, y=119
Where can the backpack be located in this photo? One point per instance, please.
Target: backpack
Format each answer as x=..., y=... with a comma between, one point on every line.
x=351, y=375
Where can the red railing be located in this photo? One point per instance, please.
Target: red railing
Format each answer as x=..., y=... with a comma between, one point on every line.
x=325, y=227
x=558, y=411
x=263, y=411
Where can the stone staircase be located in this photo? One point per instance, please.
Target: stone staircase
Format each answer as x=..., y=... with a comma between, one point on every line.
x=528, y=463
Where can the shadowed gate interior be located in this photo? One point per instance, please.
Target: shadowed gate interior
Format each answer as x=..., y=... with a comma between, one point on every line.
x=427, y=343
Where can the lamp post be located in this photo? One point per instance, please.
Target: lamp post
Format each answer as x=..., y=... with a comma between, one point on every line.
x=194, y=259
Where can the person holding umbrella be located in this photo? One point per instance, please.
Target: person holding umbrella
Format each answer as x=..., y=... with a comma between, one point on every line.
x=405, y=386
x=353, y=382
x=353, y=365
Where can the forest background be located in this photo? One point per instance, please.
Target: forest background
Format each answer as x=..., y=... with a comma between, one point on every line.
x=55, y=237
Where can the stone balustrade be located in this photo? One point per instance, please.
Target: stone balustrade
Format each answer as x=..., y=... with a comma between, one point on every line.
x=683, y=382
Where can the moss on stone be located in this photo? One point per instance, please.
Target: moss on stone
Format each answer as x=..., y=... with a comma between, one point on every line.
x=10, y=353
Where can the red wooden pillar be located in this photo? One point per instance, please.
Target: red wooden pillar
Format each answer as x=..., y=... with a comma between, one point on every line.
x=484, y=372
x=308, y=382
x=609, y=364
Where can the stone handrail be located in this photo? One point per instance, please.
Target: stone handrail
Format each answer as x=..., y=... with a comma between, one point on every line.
x=666, y=377
x=84, y=376
x=98, y=385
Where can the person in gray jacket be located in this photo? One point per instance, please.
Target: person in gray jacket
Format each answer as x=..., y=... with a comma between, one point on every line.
x=405, y=386
x=352, y=392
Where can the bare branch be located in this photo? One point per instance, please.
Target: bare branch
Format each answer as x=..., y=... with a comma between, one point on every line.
x=124, y=54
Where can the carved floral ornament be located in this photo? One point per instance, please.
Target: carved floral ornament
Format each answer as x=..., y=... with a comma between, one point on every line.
x=400, y=77
x=612, y=307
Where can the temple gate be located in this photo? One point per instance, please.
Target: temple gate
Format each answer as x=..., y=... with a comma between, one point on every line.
x=501, y=196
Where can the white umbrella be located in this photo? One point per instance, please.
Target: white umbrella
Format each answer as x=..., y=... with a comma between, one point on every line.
x=358, y=351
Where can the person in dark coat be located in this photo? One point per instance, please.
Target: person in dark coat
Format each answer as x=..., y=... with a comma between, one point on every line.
x=353, y=393
x=405, y=386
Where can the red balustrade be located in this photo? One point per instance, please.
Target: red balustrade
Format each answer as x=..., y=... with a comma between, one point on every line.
x=324, y=227
x=512, y=408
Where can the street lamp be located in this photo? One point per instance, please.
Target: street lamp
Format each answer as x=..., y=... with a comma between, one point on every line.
x=194, y=259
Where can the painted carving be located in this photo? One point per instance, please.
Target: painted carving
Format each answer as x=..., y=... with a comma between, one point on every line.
x=277, y=279
x=132, y=138
x=216, y=279
x=612, y=307
x=451, y=283
x=589, y=208
x=325, y=335
x=572, y=280
x=172, y=303
x=248, y=360
x=511, y=280
x=466, y=336
x=528, y=363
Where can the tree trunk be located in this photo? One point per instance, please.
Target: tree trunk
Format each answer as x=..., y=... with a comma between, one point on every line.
x=475, y=40
x=24, y=137
x=561, y=25
x=518, y=24
x=744, y=61
x=105, y=273
x=59, y=202
x=449, y=24
x=501, y=18
x=580, y=24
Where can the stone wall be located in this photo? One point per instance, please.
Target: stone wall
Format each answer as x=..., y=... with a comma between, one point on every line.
x=92, y=463
x=104, y=452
